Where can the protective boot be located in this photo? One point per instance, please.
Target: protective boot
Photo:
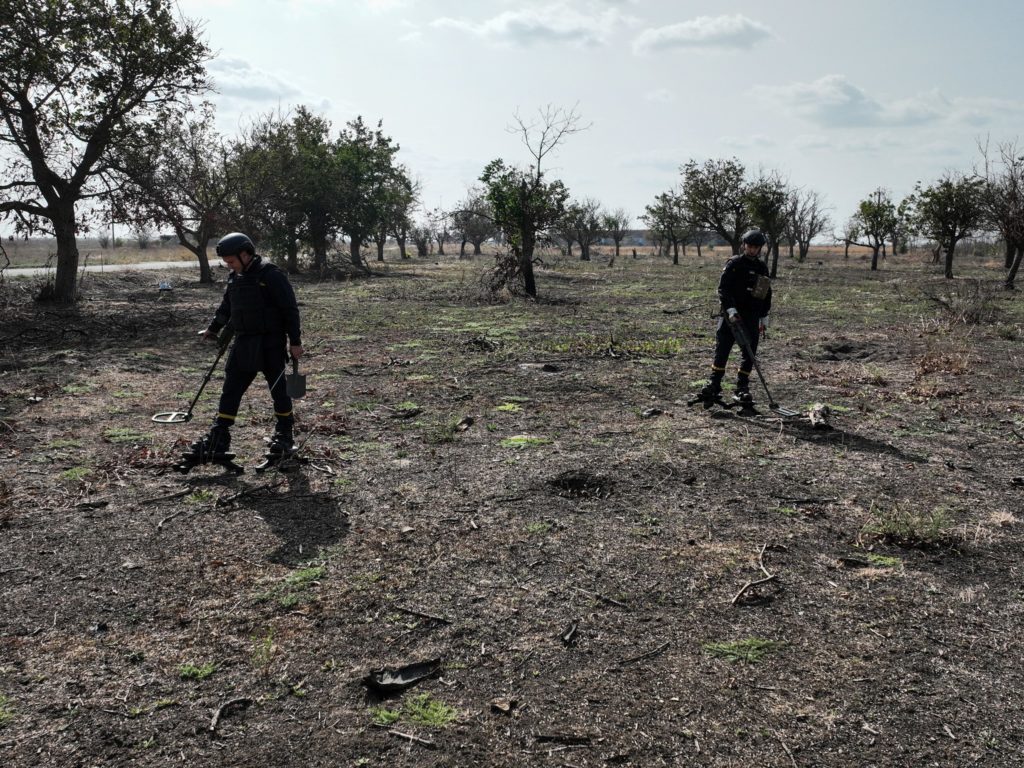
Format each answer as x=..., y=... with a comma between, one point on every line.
x=282, y=442
x=743, y=399
x=217, y=441
x=710, y=391
x=211, y=448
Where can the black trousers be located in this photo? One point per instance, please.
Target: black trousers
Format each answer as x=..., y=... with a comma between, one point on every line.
x=724, y=341
x=239, y=373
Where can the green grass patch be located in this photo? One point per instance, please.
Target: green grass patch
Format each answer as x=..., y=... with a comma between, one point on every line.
x=200, y=496
x=293, y=589
x=77, y=389
x=6, y=712
x=196, y=672
x=908, y=528
x=67, y=443
x=384, y=716
x=525, y=441
x=750, y=650
x=884, y=561
x=538, y=529
x=426, y=710
x=75, y=474
x=126, y=435
x=509, y=408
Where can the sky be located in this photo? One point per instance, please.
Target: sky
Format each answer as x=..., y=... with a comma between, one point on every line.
x=839, y=97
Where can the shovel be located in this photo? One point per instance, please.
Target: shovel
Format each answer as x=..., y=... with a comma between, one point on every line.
x=295, y=382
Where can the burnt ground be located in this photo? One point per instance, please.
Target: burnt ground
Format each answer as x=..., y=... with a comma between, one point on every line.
x=579, y=557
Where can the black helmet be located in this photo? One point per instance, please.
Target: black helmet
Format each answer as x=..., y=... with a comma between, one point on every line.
x=234, y=244
x=750, y=237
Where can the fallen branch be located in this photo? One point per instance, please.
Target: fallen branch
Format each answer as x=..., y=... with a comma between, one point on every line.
x=160, y=525
x=791, y=758
x=223, y=708
x=223, y=502
x=411, y=737
x=649, y=655
x=751, y=584
x=175, y=495
x=421, y=614
x=602, y=598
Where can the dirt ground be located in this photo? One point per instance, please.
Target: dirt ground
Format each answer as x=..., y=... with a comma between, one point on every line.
x=520, y=491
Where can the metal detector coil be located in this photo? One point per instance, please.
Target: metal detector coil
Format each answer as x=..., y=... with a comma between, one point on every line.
x=181, y=417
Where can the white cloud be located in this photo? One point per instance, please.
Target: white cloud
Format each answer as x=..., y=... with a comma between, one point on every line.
x=735, y=31
x=238, y=79
x=544, y=24
x=833, y=101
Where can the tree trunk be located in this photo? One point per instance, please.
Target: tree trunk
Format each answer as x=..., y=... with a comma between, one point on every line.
x=401, y=247
x=476, y=248
x=617, y=242
x=1012, y=275
x=846, y=249
x=675, y=253
x=380, y=250
x=874, y=256
x=440, y=247
x=353, y=249
x=584, y=251
x=293, y=254
x=526, y=267
x=699, y=254
x=775, y=260
x=462, y=249
x=65, y=282
x=1011, y=248
x=949, y=259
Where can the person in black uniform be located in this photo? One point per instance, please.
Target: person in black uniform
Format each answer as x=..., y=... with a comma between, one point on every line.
x=259, y=307
x=746, y=295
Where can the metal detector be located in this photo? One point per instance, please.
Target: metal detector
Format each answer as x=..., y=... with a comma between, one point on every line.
x=741, y=338
x=181, y=417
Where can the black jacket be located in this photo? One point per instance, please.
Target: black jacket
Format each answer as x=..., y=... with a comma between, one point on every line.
x=737, y=285
x=260, y=301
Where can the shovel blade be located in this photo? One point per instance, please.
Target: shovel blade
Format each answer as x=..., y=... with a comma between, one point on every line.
x=295, y=382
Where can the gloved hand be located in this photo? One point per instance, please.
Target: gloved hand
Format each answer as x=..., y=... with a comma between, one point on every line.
x=732, y=314
x=762, y=327
x=208, y=335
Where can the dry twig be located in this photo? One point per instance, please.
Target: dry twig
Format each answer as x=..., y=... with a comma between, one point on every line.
x=239, y=702
x=757, y=582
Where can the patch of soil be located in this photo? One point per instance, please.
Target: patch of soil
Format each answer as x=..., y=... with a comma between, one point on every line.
x=588, y=558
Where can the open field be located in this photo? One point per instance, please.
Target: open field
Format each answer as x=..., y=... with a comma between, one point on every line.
x=520, y=491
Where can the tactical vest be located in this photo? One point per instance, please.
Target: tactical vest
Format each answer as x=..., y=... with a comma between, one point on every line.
x=251, y=309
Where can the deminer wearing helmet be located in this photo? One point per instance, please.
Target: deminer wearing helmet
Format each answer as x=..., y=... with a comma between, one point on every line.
x=745, y=292
x=260, y=309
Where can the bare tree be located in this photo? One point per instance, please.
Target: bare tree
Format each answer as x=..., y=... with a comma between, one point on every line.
x=616, y=224
x=1003, y=202
x=524, y=202
x=809, y=218
x=585, y=219
x=767, y=199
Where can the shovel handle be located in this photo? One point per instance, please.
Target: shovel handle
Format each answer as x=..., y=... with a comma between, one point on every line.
x=295, y=366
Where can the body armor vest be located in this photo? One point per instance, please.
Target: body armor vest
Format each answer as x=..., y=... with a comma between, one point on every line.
x=251, y=309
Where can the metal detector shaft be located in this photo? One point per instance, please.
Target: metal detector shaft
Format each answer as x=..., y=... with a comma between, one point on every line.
x=222, y=342
x=741, y=338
